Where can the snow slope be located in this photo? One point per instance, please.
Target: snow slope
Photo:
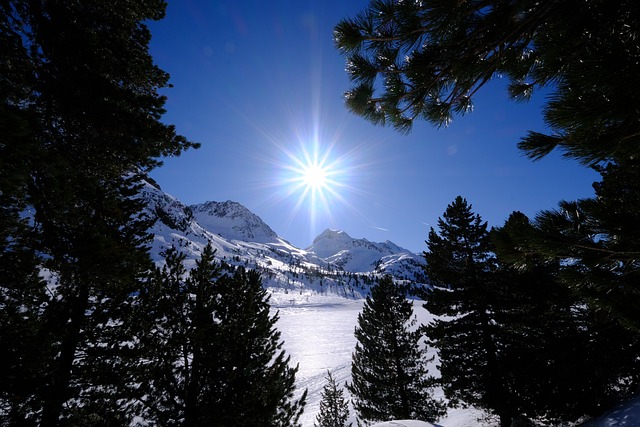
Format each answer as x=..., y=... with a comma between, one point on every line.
x=319, y=337
x=233, y=221
x=352, y=254
x=361, y=255
x=403, y=423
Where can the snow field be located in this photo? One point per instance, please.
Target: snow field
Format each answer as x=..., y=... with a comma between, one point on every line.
x=319, y=337
x=318, y=334
x=317, y=331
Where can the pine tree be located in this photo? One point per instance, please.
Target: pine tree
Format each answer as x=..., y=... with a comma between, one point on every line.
x=536, y=314
x=23, y=347
x=461, y=270
x=22, y=292
x=515, y=339
x=599, y=236
x=210, y=353
x=551, y=327
x=82, y=114
x=257, y=383
x=427, y=60
x=543, y=331
x=173, y=326
x=334, y=410
x=389, y=368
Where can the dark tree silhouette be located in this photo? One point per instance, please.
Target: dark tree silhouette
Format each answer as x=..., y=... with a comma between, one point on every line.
x=426, y=60
x=334, y=409
x=389, y=368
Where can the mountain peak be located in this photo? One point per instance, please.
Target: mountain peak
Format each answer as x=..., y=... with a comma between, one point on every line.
x=331, y=234
x=233, y=221
x=352, y=254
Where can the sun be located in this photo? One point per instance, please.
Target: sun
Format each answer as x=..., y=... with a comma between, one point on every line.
x=312, y=177
x=315, y=176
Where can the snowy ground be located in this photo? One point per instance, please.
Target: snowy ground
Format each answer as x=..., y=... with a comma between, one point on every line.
x=318, y=335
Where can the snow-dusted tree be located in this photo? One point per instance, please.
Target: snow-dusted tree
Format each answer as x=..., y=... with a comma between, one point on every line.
x=334, y=409
x=390, y=379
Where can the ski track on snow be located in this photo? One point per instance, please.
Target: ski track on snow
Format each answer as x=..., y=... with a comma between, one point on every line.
x=319, y=337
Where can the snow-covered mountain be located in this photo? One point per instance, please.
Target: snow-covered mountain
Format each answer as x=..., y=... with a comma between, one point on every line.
x=334, y=263
x=361, y=255
x=233, y=221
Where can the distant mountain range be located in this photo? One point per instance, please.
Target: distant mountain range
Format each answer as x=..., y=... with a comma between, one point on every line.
x=334, y=263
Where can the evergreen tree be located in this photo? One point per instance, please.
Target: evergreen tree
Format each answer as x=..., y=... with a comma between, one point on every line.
x=389, y=368
x=82, y=118
x=596, y=239
x=257, y=384
x=172, y=337
x=427, y=60
x=515, y=341
x=23, y=345
x=461, y=270
x=536, y=317
x=22, y=291
x=564, y=358
x=334, y=410
x=210, y=354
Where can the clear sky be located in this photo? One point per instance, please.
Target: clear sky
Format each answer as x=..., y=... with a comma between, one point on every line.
x=260, y=84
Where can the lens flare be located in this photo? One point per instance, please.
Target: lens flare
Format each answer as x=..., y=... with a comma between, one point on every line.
x=315, y=178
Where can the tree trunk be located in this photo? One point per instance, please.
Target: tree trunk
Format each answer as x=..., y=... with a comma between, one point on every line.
x=505, y=420
x=58, y=390
x=402, y=382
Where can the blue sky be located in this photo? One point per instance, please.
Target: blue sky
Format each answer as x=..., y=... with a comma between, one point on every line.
x=259, y=84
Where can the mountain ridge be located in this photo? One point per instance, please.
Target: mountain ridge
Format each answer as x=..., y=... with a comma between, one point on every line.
x=334, y=263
